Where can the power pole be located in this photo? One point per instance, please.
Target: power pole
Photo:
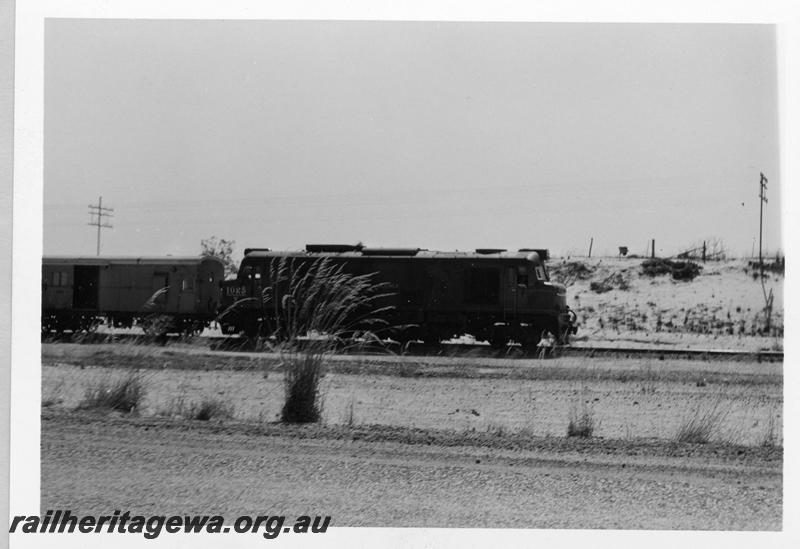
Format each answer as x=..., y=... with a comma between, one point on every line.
x=763, y=198
x=97, y=213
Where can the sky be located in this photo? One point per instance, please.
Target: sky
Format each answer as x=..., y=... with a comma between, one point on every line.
x=434, y=135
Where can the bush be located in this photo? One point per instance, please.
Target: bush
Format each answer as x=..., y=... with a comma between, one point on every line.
x=568, y=272
x=615, y=280
x=679, y=270
x=124, y=394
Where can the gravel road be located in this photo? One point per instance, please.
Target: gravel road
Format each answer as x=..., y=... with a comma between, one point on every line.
x=368, y=476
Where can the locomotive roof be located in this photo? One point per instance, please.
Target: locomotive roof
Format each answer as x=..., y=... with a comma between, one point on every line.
x=402, y=254
x=123, y=260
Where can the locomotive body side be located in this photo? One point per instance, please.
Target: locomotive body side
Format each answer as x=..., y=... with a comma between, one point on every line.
x=434, y=296
x=78, y=293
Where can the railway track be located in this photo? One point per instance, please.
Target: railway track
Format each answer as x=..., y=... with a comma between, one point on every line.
x=233, y=343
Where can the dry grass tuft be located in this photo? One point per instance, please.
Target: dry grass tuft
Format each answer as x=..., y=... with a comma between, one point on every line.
x=704, y=424
x=54, y=396
x=581, y=424
x=205, y=410
x=770, y=437
x=350, y=412
x=124, y=394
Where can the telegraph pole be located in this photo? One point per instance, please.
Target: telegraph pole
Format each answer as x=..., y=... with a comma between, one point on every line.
x=97, y=213
x=763, y=199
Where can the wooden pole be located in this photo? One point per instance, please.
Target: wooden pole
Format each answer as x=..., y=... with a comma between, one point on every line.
x=591, y=241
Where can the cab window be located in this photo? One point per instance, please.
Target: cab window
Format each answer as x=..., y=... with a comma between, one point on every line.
x=540, y=273
x=522, y=276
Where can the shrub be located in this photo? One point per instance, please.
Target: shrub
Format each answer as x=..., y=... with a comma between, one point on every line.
x=615, y=280
x=123, y=394
x=680, y=270
x=568, y=272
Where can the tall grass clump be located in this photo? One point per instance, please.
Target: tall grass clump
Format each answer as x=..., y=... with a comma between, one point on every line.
x=705, y=423
x=309, y=308
x=125, y=393
x=581, y=423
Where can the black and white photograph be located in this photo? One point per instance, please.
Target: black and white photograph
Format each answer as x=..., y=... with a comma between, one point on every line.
x=300, y=274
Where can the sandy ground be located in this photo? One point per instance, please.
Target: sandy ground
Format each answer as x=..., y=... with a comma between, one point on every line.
x=748, y=413
x=421, y=442
x=363, y=477
x=721, y=308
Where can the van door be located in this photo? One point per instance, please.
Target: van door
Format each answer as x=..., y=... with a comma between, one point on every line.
x=86, y=287
x=159, y=294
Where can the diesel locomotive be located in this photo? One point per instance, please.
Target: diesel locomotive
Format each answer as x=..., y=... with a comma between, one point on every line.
x=492, y=294
x=160, y=294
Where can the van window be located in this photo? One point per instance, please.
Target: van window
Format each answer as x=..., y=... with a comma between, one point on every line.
x=59, y=278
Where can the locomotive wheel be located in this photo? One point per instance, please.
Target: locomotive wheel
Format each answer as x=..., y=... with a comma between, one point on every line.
x=89, y=325
x=498, y=338
x=192, y=328
x=561, y=335
x=530, y=338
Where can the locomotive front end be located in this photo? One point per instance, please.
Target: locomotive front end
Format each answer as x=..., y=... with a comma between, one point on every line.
x=563, y=320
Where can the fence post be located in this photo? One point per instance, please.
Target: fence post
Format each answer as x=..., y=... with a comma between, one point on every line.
x=653, y=252
x=591, y=241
